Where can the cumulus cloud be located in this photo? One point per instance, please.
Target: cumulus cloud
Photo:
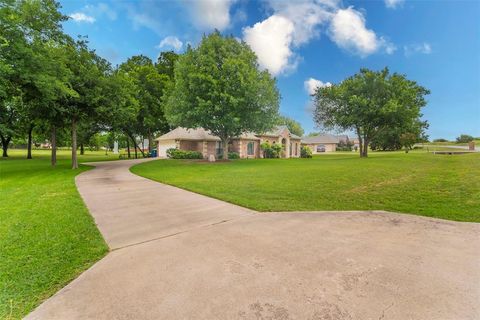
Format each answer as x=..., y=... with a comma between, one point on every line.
x=291, y=25
x=312, y=84
x=211, y=14
x=423, y=48
x=392, y=4
x=348, y=30
x=271, y=40
x=82, y=17
x=171, y=42
x=295, y=23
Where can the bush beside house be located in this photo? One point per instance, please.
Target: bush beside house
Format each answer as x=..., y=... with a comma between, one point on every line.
x=174, y=153
x=305, y=152
x=271, y=150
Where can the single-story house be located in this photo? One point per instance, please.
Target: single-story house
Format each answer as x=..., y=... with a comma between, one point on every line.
x=321, y=143
x=247, y=145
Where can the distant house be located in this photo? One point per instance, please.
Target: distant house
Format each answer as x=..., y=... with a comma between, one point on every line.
x=321, y=143
x=327, y=142
x=247, y=145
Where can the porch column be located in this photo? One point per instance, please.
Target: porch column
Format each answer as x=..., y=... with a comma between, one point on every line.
x=205, y=149
x=240, y=148
x=287, y=148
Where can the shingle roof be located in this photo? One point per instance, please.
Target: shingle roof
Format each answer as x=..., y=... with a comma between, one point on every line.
x=180, y=133
x=249, y=136
x=321, y=138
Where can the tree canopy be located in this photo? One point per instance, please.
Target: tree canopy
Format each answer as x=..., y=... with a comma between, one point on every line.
x=218, y=86
x=370, y=103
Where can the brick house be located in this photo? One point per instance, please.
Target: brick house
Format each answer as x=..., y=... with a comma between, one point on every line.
x=247, y=145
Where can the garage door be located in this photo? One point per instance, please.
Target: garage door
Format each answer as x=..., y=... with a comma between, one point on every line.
x=163, y=146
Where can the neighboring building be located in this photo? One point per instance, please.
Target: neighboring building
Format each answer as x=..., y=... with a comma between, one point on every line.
x=321, y=143
x=247, y=145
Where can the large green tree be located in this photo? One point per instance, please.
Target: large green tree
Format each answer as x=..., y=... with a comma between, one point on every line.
x=218, y=86
x=30, y=34
x=369, y=103
x=150, y=82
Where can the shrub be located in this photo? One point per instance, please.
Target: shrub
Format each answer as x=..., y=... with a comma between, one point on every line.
x=174, y=153
x=305, y=152
x=440, y=140
x=344, y=146
x=233, y=155
x=464, y=138
x=271, y=150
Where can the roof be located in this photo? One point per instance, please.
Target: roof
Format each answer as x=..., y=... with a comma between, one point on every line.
x=320, y=138
x=248, y=136
x=277, y=131
x=180, y=133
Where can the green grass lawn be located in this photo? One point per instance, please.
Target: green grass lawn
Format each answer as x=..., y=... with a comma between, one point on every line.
x=421, y=183
x=47, y=236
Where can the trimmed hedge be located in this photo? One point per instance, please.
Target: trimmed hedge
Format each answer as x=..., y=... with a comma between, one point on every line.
x=174, y=153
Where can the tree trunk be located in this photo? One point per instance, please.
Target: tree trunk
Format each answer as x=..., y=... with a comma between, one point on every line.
x=134, y=147
x=29, y=146
x=360, y=143
x=225, y=148
x=150, y=143
x=74, y=145
x=365, y=148
x=82, y=150
x=54, y=146
x=128, y=147
x=5, y=142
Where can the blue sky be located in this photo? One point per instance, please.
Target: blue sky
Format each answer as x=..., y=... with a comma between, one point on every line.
x=309, y=43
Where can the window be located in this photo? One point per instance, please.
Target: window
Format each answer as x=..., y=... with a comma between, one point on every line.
x=251, y=148
x=219, y=149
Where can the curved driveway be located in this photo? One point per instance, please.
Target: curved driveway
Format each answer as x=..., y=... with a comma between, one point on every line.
x=180, y=255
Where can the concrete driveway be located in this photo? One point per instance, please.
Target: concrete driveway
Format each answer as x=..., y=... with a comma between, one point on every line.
x=180, y=255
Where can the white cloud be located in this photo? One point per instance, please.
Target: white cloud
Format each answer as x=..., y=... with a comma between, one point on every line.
x=423, y=48
x=306, y=15
x=211, y=14
x=171, y=42
x=291, y=25
x=312, y=84
x=91, y=13
x=271, y=40
x=82, y=17
x=392, y=4
x=349, y=32
x=295, y=23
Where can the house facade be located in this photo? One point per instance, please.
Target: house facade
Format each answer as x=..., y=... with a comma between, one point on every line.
x=247, y=145
x=321, y=143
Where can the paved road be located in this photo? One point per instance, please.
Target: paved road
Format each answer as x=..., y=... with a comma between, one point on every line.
x=180, y=255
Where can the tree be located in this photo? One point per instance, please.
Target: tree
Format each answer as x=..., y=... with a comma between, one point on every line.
x=32, y=33
x=88, y=79
x=294, y=126
x=218, y=86
x=391, y=138
x=150, y=86
x=369, y=103
x=464, y=138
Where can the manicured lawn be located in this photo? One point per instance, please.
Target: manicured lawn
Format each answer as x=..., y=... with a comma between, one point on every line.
x=441, y=186
x=47, y=236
